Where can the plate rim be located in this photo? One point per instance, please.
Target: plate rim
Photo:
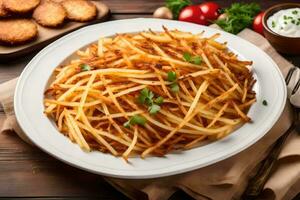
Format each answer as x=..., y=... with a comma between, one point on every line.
x=18, y=109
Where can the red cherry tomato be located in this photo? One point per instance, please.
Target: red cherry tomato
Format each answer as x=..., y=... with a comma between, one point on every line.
x=257, y=23
x=192, y=14
x=210, y=10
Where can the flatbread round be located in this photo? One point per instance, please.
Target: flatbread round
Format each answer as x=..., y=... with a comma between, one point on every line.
x=16, y=31
x=80, y=10
x=20, y=6
x=50, y=14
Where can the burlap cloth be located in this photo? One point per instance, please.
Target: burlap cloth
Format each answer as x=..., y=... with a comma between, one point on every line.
x=224, y=180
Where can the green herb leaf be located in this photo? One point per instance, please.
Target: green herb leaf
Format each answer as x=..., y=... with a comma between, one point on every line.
x=154, y=109
x=171, y=76
x=85, y=67
x=146, y=97
x=187, y=56
x=240, y=16
x=127, y=124
x=143, y=95
x=135, y=120
x=265, y=103
x=174, y=87
x=176, y=6
x=197, y=60
x=159, y=100
x=295, y=12
x=192, y=59
x=273, y=24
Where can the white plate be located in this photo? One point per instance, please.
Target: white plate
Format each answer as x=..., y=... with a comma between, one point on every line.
x=29, y=107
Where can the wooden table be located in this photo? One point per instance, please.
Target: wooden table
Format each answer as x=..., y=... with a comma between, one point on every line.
x=29, y=173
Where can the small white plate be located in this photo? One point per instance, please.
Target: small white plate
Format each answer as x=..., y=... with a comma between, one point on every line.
x=41, y=131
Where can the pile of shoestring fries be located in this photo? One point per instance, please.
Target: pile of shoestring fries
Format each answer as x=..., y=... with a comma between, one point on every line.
x=150, y=93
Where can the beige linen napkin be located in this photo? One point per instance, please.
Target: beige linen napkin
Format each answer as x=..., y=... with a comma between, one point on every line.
x=224, y=180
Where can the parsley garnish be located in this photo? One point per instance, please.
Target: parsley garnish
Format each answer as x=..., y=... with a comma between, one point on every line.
x=159, y=100
x=240, y=16
x=174, y=87
x=273, y=24
x=172, y=78
x=147, y=97
x=85, y=67
x=187, y=56
x=264, y=102
x=135, y=119
x=192, y=59
x=176, y=6
x=295, y=12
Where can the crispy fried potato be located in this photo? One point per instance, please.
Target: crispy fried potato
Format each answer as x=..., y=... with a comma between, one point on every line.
x=3, y=12
x=16, y=31
x=80, y=10
x=50, y=14
x=20, y=6
x=94, y=98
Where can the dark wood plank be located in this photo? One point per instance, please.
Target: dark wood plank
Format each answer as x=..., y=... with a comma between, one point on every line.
x=27, y=171
x=148, y=6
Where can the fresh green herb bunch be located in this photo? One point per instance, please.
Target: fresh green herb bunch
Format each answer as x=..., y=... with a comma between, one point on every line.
x=176, y=5
x=239, y=16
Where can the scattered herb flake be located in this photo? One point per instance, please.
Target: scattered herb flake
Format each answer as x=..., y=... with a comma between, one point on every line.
x=153, y=109
x=192, y=59
x=146, y=97
x=159, y=100
x=264, y=102
x=197, y=60
x=293, y=21
x=174, y=87
x=273, y=24
x=135, y=120
x=85, y=67
x=285, y=22
x=285, y=17
x=187, y=56
x=171, y=76
x=295, y=12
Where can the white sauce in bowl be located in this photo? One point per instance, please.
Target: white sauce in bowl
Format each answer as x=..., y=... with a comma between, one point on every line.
x=285, y=22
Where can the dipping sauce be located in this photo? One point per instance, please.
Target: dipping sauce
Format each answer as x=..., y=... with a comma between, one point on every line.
x=285, y=22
